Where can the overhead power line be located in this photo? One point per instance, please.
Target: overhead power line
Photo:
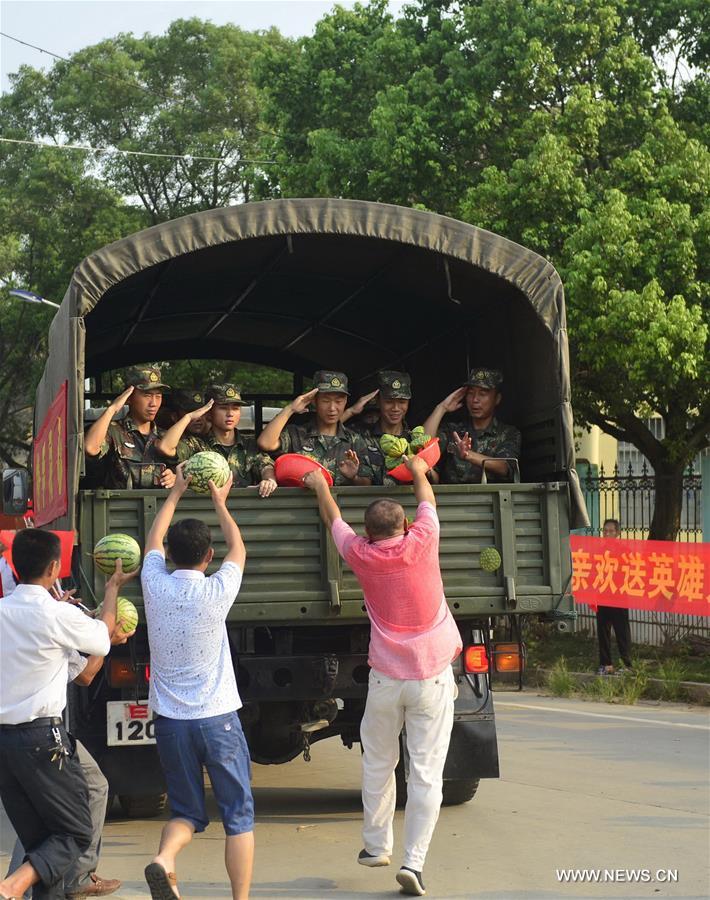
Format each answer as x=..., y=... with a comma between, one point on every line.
x=131, y=82
x=186, y=156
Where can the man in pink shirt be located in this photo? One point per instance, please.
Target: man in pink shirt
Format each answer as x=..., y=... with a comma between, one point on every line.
x=413, y=640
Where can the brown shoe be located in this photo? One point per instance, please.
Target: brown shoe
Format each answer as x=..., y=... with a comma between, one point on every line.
x=96, y=887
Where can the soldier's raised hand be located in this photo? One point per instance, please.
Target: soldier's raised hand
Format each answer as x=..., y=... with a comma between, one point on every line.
x=349, y=465
x=120, y=401
x=198, y=413
x=454, y=401
x=463, y=444
x=301, y=403
x=360, y=404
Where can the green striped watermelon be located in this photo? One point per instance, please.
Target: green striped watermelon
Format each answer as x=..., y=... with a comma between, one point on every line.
x=113, y=546
x=126, y=614
x=206, y=466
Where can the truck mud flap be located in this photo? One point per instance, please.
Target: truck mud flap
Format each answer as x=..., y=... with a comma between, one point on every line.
x=473, y=749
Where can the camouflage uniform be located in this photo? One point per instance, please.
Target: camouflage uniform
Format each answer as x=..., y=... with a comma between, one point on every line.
x=496, y=440
x=392, y=386
x=245, y=459
x=329, y=450
x=127, y=458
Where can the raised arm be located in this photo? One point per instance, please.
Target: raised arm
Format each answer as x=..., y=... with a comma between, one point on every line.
x=236, y=551
x=270, y=438
x=358, y=406
x=449, y=404
x=96, y=435
x=167, y=444
x=423, y=491
x=329, y=510
x=162, y=521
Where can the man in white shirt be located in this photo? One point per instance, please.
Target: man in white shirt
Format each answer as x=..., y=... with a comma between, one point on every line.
x=193, y=688
x=42, y=786
x=81, y=880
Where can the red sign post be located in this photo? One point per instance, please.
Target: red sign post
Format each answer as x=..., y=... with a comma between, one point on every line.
x=662, y=576
x=49, y=463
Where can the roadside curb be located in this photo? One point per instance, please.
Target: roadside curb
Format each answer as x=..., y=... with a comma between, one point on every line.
x=691, y=691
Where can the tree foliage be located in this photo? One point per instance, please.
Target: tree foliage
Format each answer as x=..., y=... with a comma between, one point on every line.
x=577, y=127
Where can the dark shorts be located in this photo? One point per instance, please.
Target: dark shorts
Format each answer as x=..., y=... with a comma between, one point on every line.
x=217, y=744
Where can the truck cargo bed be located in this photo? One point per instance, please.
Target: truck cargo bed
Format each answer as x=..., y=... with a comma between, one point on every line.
x=294, y=574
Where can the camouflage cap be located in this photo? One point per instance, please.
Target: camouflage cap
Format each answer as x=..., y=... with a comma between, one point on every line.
x=187, y=400
x=145, y=378
x=485, y=378
x=225, y=393
x=331, y=382
x=394, y=385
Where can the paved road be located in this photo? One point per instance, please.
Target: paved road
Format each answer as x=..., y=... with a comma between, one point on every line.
x=585, y=785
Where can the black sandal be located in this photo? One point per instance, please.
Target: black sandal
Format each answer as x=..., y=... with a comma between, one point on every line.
x=160, y=882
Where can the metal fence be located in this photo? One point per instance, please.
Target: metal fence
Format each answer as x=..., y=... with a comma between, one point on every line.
x=629, y=497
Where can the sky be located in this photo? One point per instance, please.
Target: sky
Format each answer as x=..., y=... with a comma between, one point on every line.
x=65, y=26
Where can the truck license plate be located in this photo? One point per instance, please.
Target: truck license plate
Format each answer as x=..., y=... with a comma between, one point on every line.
x=129, y=724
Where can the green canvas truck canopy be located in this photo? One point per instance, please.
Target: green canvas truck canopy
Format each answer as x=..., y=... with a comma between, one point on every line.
x=305, y=284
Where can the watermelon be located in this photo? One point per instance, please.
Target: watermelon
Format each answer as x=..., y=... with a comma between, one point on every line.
x=490, y=559
x=126, y=614
x=115, y=546
x=204, y=467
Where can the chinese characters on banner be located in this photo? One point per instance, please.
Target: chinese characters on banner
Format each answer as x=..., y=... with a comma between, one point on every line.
x=49, y=465
x=663, y=576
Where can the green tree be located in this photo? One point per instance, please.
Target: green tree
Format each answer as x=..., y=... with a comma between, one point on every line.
x=578, y=129
x=52, y=214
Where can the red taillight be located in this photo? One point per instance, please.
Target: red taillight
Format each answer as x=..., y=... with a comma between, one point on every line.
x=146, y=672
x=475, y=659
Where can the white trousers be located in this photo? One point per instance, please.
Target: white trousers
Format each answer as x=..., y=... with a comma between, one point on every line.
x=426, y=709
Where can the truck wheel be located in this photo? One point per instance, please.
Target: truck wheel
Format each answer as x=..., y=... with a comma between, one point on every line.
x=143, y=806
x=460, y=791
x=455, y=792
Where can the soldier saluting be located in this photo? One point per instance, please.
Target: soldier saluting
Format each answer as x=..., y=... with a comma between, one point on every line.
x=393, y=394
x=222, y=412
x=123, y=454
x=323, y=437
x=477, y=439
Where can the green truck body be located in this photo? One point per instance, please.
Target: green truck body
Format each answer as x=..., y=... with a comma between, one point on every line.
x=294, y=574
x=303, y=285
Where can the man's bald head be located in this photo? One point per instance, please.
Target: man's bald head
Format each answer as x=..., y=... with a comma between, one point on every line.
x=384, y=518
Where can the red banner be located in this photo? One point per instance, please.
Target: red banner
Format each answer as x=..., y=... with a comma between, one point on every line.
x=49, y=464
x=66, y=539
x=663, y=576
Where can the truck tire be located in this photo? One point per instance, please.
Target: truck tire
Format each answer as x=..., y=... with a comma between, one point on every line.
x=142, y=806
x=460, y=791
x=454, y=792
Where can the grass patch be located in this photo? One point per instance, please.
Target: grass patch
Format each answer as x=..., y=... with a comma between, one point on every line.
x=546, y=645
x=559, y=681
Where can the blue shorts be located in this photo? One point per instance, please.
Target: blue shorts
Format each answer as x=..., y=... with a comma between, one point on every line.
x=217, y=743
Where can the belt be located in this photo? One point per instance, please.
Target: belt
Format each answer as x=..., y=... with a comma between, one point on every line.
x=47, y=721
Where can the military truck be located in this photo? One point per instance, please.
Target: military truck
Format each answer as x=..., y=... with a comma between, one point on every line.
x=302, y=285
